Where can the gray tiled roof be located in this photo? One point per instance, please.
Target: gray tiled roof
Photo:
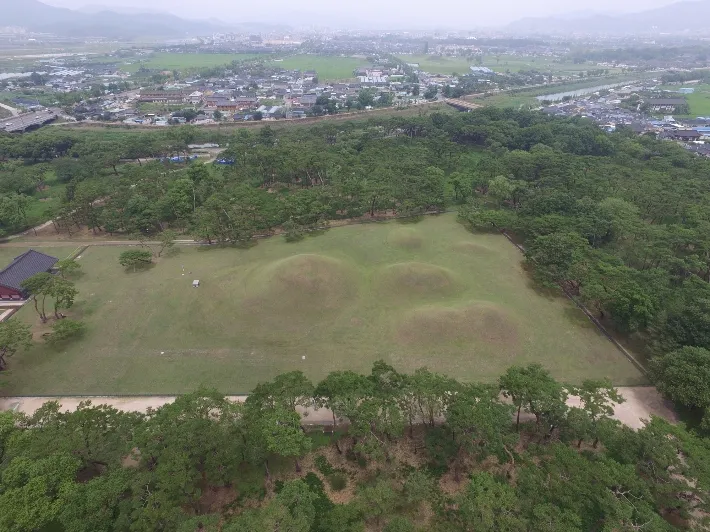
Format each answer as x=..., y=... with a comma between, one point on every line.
x=25, y=266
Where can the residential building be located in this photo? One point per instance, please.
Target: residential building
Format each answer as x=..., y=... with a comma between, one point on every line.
x=669, y=105
x=162, y=97
x=308, y=100
x=686, y=135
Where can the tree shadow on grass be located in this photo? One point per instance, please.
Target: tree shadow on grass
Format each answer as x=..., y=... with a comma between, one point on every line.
x=246, y=244
x=317, y=232
x=242, y=244
x=172, y=252
x=578, y=318
x=410, y=220
x=548, y=292
x=140, y=269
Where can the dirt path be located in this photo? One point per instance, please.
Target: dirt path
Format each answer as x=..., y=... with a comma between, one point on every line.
x=641, y=403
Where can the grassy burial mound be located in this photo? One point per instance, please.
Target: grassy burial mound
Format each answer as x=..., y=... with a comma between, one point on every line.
x=413, y=280
x=473, y=248
x=300, y=287
x=475, y=323
x=426, y=294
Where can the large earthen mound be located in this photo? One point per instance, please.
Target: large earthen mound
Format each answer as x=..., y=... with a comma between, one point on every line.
x=302, y=284
x=415, y=279
x=476, y=322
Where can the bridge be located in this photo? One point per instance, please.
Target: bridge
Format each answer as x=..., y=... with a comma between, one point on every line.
x=26, y=121
x=462, y=105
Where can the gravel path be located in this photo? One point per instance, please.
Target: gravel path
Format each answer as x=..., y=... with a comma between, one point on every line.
x=641, y=403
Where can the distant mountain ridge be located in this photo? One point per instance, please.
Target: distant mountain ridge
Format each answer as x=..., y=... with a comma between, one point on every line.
x=681, y=17
x=39, y=17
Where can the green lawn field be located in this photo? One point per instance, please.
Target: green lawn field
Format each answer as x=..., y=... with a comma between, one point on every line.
x=172, y=61
x=329, y=68
x=426, y=294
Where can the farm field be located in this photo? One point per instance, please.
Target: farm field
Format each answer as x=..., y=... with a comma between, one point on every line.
x=172, y=61
x=699, y=101
x=329, y=68
x=426, y=294
x=460, y=65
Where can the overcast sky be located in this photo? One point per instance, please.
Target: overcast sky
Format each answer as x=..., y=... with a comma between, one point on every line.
x=403, y=12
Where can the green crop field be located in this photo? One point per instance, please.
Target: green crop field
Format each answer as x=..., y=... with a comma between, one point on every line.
x=426, y=294
x=172, y=61
x=329, y=68
x=699, y=101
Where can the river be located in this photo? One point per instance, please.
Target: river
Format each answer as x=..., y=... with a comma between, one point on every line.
x=580, y=92
x=10, y=75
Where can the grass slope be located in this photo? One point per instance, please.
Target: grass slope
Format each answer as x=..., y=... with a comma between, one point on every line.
x=427, y=294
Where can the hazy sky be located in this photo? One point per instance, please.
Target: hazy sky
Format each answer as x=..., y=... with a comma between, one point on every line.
x=405, y=12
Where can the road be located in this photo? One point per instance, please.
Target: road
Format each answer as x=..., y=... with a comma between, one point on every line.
x=13, y=111
x=22, y=122
x=641, y=403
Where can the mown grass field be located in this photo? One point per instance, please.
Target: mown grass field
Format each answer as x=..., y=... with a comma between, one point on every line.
x=426, y=294
x=173, y=61
x=329, y=68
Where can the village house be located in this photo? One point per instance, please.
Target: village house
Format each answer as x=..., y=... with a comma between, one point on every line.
x=195, y=98
x=686, y=135
x=668, y=105
x=308, y=100
x=246, y=101
x=162, y=97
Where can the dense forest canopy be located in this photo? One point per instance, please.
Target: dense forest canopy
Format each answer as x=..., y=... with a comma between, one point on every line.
x=421, y=452
x=622, y=221
x=619, y=221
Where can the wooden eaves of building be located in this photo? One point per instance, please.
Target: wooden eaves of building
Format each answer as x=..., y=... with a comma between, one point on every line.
x=19, y=270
